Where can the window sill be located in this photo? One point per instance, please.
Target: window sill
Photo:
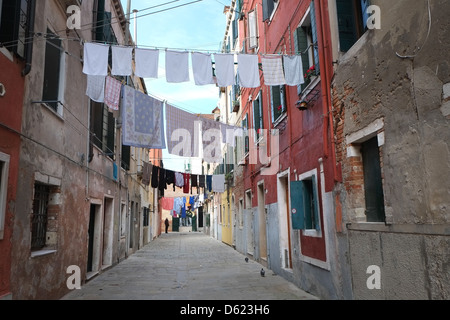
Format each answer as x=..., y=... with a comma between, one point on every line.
x=309, y=87
x=312, y=233
x=280, y=119
x=57, y=114
x=43, y=252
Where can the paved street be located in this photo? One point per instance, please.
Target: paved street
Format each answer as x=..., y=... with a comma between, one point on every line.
x=187, y=266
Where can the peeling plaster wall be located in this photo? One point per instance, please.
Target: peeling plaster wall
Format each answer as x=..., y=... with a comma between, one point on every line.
x=410, y=95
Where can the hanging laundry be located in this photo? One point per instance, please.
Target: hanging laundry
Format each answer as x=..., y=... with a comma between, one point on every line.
x=192, y=202
x=122, y=58
x=293, y=70
x=96, y=59
x=170, y=178
x=194, y=181
x=201, y=181
x=228, y=133
x=218, y=183
x=113, y=88
x=96, y=88
x=143, y=120
x=273, y=70
x=179, y=179
x=155, y=177
x=177, y=66
x=212, y=148
x=224, y=64
x=146, y=173
x=167, y=203
x=248, y=70
x=178, y=204
x=186, y=178
x=147, y=61
x=183, y=208
x=162, y=181
x=182, y=132
x=202, y=68
x=209, y=183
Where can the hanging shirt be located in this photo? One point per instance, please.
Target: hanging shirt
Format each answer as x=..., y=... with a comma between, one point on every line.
x=201, y=181
x=155, y=177
x=194, y=182
x=170, y=178
x=209, y=182
x=186, y=178
x=179, y=179
x=162, y=181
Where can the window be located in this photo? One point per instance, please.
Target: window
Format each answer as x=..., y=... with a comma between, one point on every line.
x=278, y=102
x=248, y=199
x=306, y=43
x=245, y=134
x=241, y=212
x=269, y=7
x=305, y=204
x=373, y=183
x=102, y=128
x=13, y=18
x=52, y=72
x=252, y=30
x=258, y=119
x=352, y=21
x=40, y=218
x=4, y=169
x=146, y=213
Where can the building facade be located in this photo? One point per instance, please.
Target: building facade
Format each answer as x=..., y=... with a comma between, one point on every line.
x=15, y=17
x=80, y=202
x=391, y=114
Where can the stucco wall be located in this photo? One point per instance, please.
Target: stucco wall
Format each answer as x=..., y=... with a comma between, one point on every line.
x=374, y=83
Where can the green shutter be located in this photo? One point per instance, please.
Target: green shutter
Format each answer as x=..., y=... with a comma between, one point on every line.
x=315, y=37
x=268, y=7
x=297, y=205
x=301, y=41
x=276, y=101
x=256, y=114
x=346, y=24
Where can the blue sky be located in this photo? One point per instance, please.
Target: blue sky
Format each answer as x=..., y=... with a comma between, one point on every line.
x=197, y=26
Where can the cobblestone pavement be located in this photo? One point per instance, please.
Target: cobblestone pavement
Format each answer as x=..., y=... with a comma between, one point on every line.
x=187, y=266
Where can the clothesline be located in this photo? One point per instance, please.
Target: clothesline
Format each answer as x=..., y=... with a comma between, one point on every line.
x=277, y=69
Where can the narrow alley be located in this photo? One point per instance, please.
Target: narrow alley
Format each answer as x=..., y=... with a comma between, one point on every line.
x=187, y=266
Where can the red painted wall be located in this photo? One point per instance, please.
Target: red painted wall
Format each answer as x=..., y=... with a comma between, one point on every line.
x=306, y=136
x=10, y=121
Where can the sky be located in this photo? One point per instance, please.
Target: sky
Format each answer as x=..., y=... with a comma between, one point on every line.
x=194, y=25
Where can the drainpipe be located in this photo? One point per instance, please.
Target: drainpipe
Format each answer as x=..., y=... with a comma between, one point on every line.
x=326, y=88
x=29, y=35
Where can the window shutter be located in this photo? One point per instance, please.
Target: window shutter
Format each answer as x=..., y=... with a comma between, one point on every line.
x=301, y=41
x=252, y=28
x=297, y=204
x=315, y=37
x=268, y=7
x=52, y=71
x=346, y=24
x=256, y=115
x=316, y=203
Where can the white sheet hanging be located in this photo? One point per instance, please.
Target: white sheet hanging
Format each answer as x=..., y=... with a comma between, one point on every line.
x=121, y=61
x=273, y=70
x=96, y=59
x=96, y=88
x=177, y=66
x=224, y=63
x=293, y=70
x=202, y=68
x=248, y=70
x=147, y=61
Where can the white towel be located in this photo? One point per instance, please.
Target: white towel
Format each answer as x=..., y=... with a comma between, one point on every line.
x=218, y=183
x=96, y=88
x=248, y=70
x=147, y=61
x=121, y=61
x=224, y=69
x=177, y=66
x=273, y=70
x=202, y=68
x=96, y=59
x=293, y=70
